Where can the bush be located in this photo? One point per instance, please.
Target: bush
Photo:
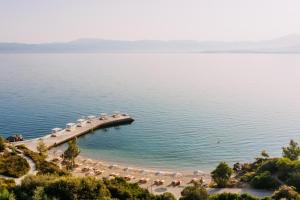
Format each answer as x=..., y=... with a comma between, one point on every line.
x=120, y=189
x=6, y=195
x=294, y=180
x=2, y=144
x=231, y=196
x=286, y=192
x=194, y=193
x=13, y=165
x=166, y=196
x=248, y=176
x=69, y=188
x=221, y=174
x=264, y=181
x=43, y=166
x=7, y=183
x=273, y=171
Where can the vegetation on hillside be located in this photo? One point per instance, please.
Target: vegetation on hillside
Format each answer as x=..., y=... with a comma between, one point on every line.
x=43, y=166
x=7, y=183
x=13, y=165
x=87, y=188
x=271, y=173
x=2, y=144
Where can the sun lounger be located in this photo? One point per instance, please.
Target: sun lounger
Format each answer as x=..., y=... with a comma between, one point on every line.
x=143, y=180
x=176, y=183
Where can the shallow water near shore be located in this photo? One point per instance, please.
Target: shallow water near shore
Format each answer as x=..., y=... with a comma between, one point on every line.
x=191, y=110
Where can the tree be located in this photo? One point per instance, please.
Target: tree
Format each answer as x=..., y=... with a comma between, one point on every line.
x=292, y=151
x=286, y=192
x=264, y=154
x=2, y=144
x=39, y=194
x=221, y=174
x=42, y=149
x=70, y=154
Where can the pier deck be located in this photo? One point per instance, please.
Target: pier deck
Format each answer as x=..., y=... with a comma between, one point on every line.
x=64, y=135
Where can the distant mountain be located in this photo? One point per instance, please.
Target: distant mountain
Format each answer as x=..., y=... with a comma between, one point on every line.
x=286, y=44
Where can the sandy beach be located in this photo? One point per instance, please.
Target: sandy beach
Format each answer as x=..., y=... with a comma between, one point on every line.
x=156, y=182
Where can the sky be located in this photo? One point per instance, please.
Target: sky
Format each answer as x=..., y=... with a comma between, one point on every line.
x=37, y=21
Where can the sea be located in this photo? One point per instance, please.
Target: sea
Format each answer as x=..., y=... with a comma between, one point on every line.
x=191, y=111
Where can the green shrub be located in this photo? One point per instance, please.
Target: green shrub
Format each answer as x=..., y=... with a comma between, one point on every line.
x=166, y=196
x=286, y=192
x=81, y=188
x=269, y=165
x=231, y=196
x=224, y=196
x=248, y=176
x=272, y=171
x=194, y=193
x=64, y=187
x=120, y=189
x=13, y=165
x=2, y=144
x=264, y=181
x=6, y=195
x=7, y=183
x=294, y=180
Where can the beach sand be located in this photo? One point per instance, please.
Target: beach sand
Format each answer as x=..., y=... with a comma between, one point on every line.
x=102, y=169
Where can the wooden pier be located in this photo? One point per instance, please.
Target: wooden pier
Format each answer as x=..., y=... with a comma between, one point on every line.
x=89, y=125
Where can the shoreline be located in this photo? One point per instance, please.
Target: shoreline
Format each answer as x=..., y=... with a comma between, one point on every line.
x=145, y=166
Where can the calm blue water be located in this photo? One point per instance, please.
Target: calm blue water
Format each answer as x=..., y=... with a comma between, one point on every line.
x=191, y=110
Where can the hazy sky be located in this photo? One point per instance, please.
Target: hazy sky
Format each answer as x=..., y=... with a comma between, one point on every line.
x=64, y=20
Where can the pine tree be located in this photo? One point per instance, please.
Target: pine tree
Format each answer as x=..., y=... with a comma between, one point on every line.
x=70, y=154
x=42, y=149
x=292, y=151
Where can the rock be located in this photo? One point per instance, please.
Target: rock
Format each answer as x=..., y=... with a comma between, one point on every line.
x=15, y=138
